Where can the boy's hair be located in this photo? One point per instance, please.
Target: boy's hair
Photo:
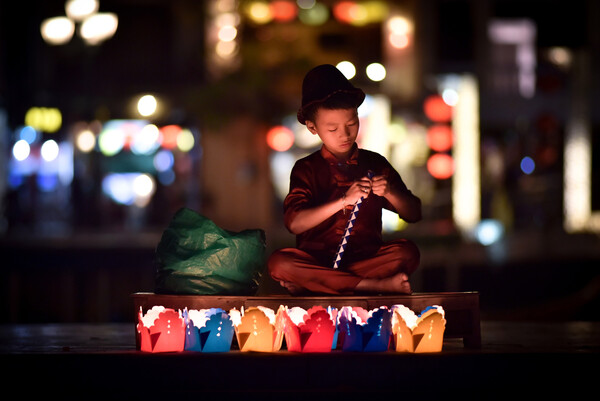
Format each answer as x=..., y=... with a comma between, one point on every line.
x=338, y=101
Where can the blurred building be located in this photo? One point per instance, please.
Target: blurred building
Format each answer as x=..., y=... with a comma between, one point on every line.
x=223, y=73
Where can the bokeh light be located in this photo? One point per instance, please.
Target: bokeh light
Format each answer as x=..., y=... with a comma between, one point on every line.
x=306, y=4
x=450, y=96
x=227, y=33
x=147, y=105
x=489, y=231
x=226, y=49
x=399, y=25
x=376, y=72
x=78, y=10
x=185, y=140
x=98, y=27
x=129, y=188
x=111, y=141
x=46, y=182
x=163, y=160
x=170, y=133
x=29, y=134
x=347, y=68
x=436, y=109
x=399, y=40
x=21, y=150
x=440, y=166
x=45, y=119
x=57, y=30
x=280, y=138
x=283, y=10
x=85, y=141
x=259, y=12
x=439, y=137
x=146, y=140
x=143, y=185
x=49, y=150
x=527, y=165
x=316, y=15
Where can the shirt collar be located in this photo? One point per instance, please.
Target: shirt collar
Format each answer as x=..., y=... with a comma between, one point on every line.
x=332, y=160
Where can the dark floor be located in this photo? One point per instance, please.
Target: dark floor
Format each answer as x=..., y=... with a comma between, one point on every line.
x=67, y=330
x=517, y=359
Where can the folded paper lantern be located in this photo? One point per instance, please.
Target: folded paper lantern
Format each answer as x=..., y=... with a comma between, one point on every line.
x=161, y=330
x=362, y=330
x=258, y=329
x=423, y=333
x=207, y=330
x=309, y=331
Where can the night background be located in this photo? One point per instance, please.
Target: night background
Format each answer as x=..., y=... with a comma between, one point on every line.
x=81, y=218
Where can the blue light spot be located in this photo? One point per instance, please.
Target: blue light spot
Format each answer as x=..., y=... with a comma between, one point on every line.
x=47, y=182
x=527, y=165
x=29, y=134
x=489, y=231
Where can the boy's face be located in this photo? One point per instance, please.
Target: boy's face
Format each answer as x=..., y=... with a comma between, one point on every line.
x=337, y=129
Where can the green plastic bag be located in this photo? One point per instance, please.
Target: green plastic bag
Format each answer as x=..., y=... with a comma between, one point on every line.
x=196, y=257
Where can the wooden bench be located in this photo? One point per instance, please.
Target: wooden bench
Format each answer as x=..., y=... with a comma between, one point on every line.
x=461, y=308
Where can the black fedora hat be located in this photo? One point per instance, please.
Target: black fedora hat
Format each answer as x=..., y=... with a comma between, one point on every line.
x=321, y=83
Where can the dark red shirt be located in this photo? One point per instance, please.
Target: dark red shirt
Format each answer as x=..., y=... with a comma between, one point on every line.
x=320, y=178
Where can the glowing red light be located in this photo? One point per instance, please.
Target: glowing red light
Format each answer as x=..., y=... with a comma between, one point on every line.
x=439, y=137
x=436, y=109
x=283, y=11
x=169, y=136
x=280, y=138
x=440, y=166
x=342, y=11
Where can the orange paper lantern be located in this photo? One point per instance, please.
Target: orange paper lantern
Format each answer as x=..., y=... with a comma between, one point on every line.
x=258, y=329
x=417, y=334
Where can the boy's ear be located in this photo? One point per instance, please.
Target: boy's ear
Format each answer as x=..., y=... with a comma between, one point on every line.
x=311, y=127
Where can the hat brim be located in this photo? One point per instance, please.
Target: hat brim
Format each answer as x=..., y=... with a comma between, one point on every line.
x=357, y=94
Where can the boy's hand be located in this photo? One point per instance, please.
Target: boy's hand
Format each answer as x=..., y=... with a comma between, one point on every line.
x=380, y=185
x=359, y=189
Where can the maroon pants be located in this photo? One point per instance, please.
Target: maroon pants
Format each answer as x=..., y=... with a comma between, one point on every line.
x=295, y=266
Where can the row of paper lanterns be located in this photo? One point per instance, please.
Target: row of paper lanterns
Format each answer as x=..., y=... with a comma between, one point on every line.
x=261, y=329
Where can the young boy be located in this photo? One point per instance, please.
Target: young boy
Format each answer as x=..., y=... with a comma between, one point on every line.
x=324, y=188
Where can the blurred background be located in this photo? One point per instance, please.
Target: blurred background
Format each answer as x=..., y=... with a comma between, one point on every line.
x=116, y=113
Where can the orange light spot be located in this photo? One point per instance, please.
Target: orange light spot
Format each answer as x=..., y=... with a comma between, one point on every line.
x=280, y=138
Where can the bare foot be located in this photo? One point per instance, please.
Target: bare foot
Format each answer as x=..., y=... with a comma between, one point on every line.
x=395, y=284
x=293, y=289
x=399, y=283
